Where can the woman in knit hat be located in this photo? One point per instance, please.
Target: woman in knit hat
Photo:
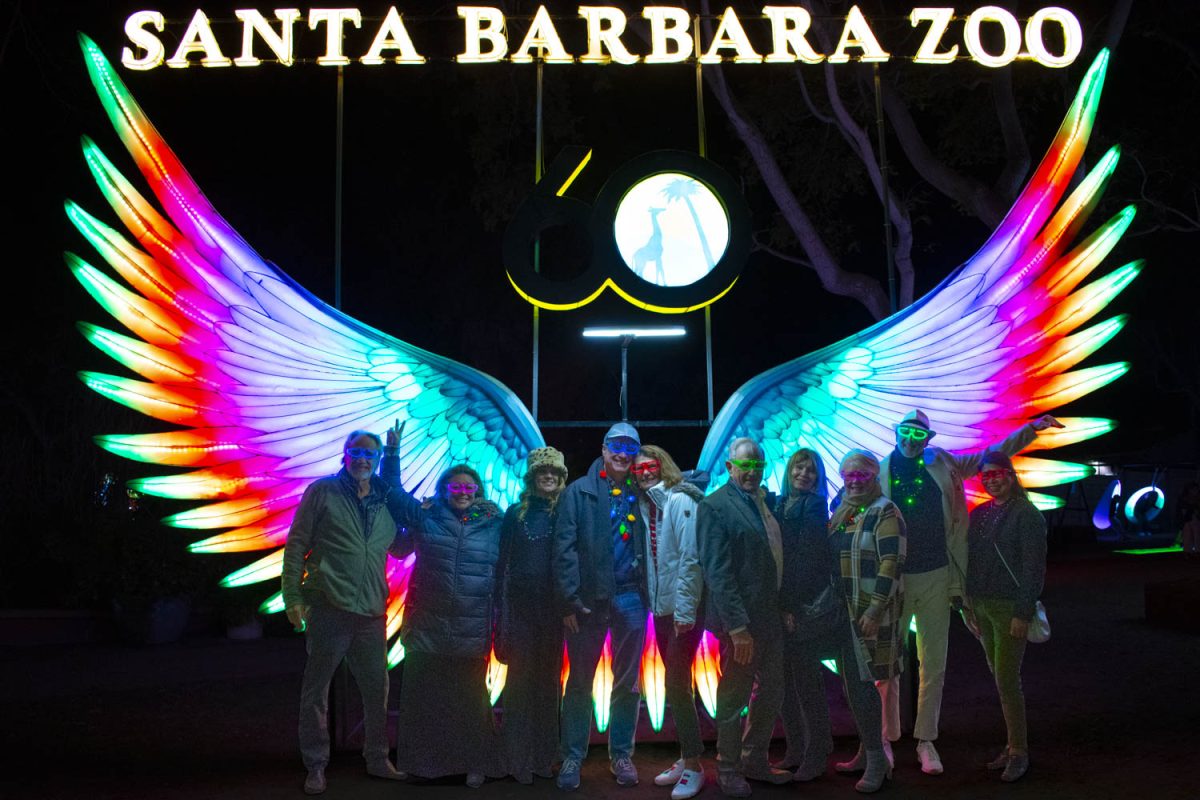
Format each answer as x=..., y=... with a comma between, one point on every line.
x=529, y=637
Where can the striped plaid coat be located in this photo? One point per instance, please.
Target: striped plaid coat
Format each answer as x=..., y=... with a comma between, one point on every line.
x=870, y=547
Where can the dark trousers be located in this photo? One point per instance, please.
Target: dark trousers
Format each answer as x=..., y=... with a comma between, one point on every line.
x=678, y=653
x=330, y=636
x=805, y=707
x=764, y=677
x=531, y=690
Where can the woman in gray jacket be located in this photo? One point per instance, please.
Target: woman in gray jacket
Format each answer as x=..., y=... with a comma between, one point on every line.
x=674, y=584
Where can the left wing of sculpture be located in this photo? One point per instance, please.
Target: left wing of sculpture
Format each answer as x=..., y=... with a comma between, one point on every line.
x=992, y=346
x=261, y=380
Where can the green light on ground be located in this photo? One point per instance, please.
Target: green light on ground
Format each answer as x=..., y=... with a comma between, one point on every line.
x=1150, y=551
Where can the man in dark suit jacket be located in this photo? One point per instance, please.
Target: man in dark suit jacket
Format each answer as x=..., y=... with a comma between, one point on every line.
x=741, y=554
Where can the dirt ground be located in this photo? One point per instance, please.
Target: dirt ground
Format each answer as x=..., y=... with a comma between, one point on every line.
x=1111, y=715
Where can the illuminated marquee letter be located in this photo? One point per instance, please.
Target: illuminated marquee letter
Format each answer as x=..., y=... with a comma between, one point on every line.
x=668, y=25
x=857, y=33
x=393, y=35
x=482, y=22
x=335, y=20
x=939, y=20
x=788, y=26
x=280, y=43
x=605, y=25
x=1072, y=37
x=1009, y=27
x=198, y=38
x=135, y=29
x=543, y=36
x=731, y=35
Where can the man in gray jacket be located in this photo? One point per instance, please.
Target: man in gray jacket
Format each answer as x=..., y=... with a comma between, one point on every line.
x=335, y=590
x=741, y=553
x=598, y=575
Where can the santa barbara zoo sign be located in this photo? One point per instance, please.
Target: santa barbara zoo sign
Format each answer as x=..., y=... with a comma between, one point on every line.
x=988, y=35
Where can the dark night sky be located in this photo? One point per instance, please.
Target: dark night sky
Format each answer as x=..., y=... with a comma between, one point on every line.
x=421, y=262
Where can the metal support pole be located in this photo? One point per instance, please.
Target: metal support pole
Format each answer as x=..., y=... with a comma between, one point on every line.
x=887, y=196
x=702, y=149
x=337, y=197
x=625, y=342
x=537, y=243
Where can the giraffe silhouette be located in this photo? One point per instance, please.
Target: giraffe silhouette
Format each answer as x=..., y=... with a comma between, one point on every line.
x=652, y=250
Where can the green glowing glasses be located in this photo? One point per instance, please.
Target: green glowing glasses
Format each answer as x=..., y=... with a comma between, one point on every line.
x=916, y=434
x=748, y=464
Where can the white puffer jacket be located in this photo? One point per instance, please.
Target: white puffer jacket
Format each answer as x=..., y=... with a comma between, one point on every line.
x=675, y=583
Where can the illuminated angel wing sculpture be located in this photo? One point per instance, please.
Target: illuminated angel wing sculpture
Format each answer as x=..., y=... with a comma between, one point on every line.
x=264, y=379
x=992, y=346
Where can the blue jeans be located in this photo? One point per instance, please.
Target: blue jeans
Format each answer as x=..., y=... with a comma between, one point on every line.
x=625, y=615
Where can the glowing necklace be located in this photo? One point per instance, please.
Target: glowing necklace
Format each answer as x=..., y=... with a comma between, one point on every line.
x=616, y=495
x=904, y=492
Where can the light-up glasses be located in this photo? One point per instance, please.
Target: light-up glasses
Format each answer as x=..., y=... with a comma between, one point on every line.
x=858, y=476
x=626, y=447
x=916, y=434
x=994, y=474
x=462, y=488
x=748, y=464
x=362, y=452
x=646, y=467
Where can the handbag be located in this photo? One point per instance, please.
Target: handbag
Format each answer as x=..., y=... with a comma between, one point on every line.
x=1039, y=626
x=820, y=616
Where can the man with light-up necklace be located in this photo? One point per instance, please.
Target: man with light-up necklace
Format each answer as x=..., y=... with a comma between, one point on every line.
x=600, y=584
x=926, y=483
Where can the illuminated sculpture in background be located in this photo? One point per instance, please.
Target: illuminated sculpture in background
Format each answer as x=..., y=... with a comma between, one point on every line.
x=263, y=379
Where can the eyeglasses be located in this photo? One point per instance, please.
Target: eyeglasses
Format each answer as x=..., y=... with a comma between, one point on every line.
x=645, y=467
x=994, y=474
x=622, y=448
x=858, y=476
x=362, y=452
x=748, y=464
x=462, y=488
x=916, y=434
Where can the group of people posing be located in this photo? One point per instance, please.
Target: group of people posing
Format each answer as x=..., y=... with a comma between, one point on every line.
x=781, y=581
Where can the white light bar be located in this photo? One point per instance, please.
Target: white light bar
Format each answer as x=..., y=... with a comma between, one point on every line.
x=614, y=333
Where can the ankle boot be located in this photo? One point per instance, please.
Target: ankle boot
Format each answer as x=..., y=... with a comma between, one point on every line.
x=873, y=776
x=856, y=764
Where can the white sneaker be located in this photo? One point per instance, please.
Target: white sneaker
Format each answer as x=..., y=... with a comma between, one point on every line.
x=689, y=785
x=669, y=775
x=927, y=754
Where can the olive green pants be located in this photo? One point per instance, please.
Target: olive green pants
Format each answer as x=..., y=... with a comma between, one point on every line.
x=1004, y=653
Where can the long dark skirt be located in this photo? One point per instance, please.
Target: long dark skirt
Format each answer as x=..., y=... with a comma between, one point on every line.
x=445, y=725
x=532, y=689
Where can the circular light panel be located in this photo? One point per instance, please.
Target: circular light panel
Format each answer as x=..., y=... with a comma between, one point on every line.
x=671, y=229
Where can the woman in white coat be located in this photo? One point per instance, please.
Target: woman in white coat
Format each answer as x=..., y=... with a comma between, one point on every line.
x=675, y=585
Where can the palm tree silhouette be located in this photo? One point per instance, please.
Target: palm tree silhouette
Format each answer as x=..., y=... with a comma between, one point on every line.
x=684, y=189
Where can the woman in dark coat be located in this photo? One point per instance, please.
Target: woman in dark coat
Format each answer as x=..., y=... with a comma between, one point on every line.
x=1006, y=566
x=530, y=636
x=811, y=610
x=445, y=725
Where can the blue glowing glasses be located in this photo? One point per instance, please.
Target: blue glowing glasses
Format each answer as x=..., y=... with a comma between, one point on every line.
x=619, y=447
x=362, y=452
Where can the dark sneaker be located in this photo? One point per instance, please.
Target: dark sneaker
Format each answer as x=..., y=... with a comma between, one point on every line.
x=568, y=775
x=625, y=771
x=315, y=782
x=733, y=784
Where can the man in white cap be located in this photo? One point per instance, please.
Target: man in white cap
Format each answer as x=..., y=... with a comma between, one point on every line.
x=926, y=483
x=599, y=580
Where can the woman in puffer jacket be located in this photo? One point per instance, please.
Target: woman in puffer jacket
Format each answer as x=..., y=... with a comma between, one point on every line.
x=445, y=726
x=675, y=584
